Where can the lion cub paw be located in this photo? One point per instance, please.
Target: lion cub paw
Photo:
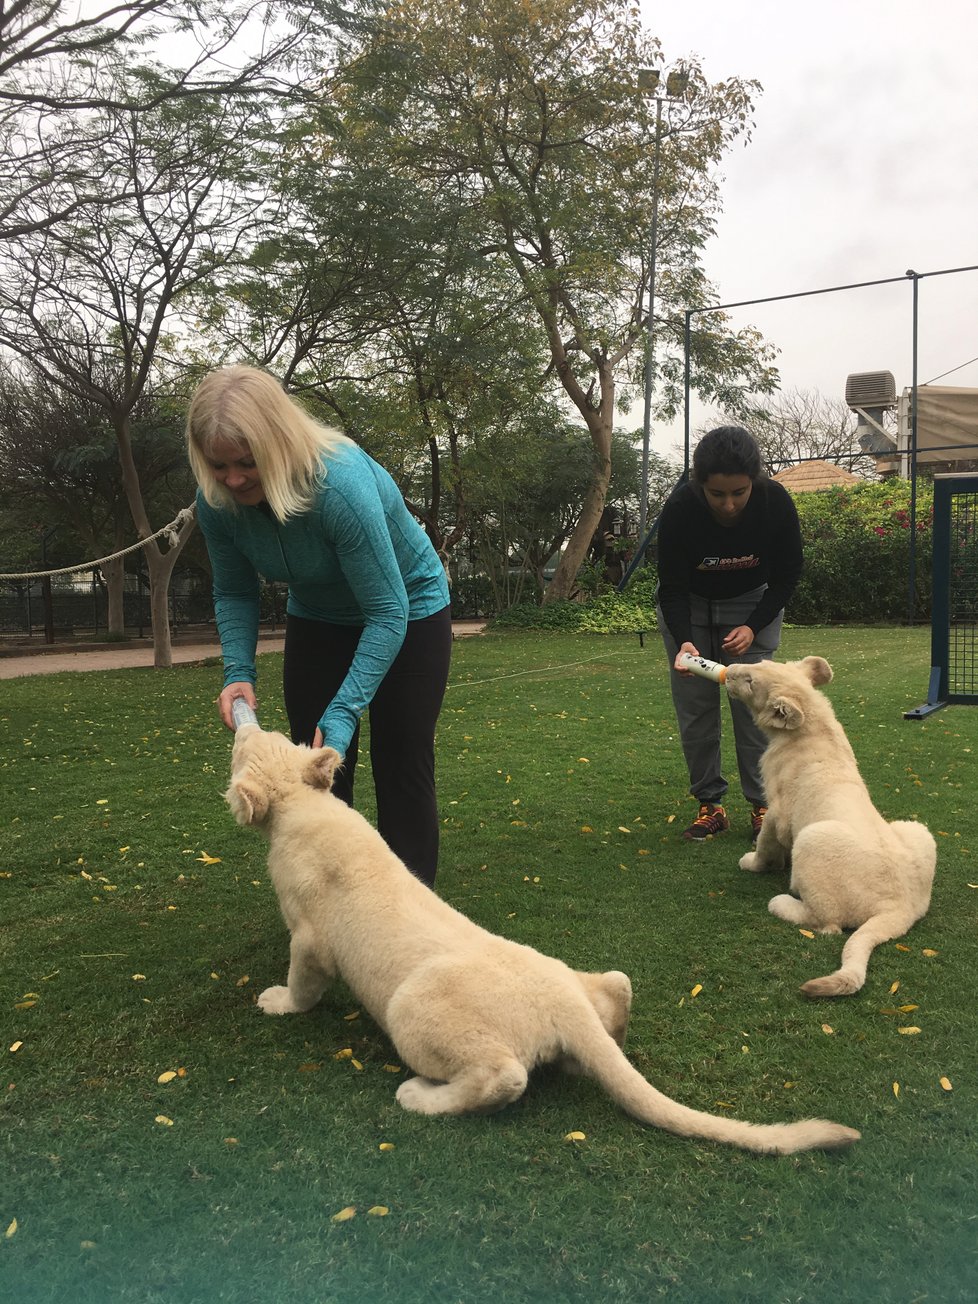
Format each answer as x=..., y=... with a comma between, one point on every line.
x=415, y=1095
x=276, y=1000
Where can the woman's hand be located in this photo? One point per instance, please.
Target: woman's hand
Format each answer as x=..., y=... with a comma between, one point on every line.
x=738, y=640
x=230, y=695
x=687, y=648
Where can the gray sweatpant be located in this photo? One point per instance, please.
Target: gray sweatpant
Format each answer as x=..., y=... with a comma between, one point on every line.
x=697, y=700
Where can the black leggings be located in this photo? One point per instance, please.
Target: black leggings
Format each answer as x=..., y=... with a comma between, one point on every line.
x=403, y=715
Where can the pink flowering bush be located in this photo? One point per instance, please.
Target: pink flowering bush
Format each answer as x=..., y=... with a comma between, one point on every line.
x=857, y=554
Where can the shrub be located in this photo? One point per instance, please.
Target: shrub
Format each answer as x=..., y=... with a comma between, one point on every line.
x=856, y=542
x=609, y=613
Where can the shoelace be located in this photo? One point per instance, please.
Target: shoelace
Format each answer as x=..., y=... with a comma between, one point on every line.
x=706, y=817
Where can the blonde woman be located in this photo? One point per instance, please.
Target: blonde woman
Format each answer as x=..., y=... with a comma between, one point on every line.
x=368, y=625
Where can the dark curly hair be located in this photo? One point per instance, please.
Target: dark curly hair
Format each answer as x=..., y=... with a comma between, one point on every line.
x=728, y=450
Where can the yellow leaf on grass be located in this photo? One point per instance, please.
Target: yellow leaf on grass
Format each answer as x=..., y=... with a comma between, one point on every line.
x=946, y=1084
x=345, y=1053
x=139, y=977
x=350, y=1017
x=16, y=1047
x=168, y=1076
x=828, y=1029
x=386, y=1145
x=357, y=1065
x=586, y=828
x=309, y=1068
x=900, y=947
x=622, y=829
x=575, y=1136
x=344, y=1215
x=806, y=932
x=895, y=987
x=907, y=1009
x=24, y=1005
x=908, y=1032
x=162, y=1119
x=896, y=1088
x=12, y=1229
x=696, y=990
x=392, y=1068
x=243, y=981
x=927, y=951
x=205, y=859
x=378, y=1211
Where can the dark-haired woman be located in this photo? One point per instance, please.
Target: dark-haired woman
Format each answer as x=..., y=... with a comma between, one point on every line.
x=729, y=555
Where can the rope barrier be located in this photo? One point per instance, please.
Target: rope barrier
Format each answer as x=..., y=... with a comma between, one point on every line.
x=536, y=670
x=172, y=532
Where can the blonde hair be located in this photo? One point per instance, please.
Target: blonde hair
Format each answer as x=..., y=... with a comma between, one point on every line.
x=249, y=407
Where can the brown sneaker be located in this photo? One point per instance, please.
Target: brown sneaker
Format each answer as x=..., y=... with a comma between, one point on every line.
x=709, y=822
x=757, y=814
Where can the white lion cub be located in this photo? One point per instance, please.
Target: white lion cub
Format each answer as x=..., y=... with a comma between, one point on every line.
x=850, y=868
x=471, y=1013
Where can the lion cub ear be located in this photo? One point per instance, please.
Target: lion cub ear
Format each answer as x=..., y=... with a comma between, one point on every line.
x=817, y=669
x=248, y=801
x=321, y=767
x=785, y=713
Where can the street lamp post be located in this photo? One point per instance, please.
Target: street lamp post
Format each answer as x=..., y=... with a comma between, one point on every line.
x=676, y=82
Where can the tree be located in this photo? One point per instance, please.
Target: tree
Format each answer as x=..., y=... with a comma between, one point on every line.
x=534, y=116
x=800, y=424
x=87, y=303
x=59, y=461
x=62, y=67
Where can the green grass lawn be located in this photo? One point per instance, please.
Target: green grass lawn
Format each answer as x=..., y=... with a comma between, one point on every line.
x=138, y=926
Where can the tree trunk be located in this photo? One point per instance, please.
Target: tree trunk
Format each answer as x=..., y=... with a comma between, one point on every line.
x=160, y=567
x=113, y=572
x=600, y=423
x=159, y=564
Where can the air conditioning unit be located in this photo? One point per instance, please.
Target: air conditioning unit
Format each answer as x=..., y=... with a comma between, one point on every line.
x=871, y=389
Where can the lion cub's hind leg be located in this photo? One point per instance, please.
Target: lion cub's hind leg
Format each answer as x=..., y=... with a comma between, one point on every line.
x=479, y=1089
x=792, y=911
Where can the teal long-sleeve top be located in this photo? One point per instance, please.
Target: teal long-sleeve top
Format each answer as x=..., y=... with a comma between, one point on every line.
x=356, y=557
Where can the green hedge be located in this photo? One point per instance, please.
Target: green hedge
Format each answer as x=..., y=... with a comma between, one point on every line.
x=857, y=568
x=857, y=554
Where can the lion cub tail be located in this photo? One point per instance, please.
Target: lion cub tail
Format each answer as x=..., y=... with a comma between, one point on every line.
x=851, y=974
x=602, y=1059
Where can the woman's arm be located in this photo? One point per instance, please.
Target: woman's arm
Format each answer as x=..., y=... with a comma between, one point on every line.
x=357, y=528
x=235, y=590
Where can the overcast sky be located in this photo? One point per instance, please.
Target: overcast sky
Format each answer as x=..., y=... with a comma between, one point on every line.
x=863, y=163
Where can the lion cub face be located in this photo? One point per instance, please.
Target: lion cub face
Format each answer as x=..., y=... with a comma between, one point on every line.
x=776, y=691
x=267, y=769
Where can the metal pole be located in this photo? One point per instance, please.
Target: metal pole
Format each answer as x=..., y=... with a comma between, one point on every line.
x=687, y=342
x=912, y=566
x=643, y=509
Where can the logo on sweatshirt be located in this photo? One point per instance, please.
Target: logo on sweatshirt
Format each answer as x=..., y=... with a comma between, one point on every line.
x=750, y=562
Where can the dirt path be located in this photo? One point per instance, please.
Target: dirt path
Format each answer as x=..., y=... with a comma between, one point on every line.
x=43, y=662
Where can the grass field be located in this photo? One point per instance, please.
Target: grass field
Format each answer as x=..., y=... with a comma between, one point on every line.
x=138, y=926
